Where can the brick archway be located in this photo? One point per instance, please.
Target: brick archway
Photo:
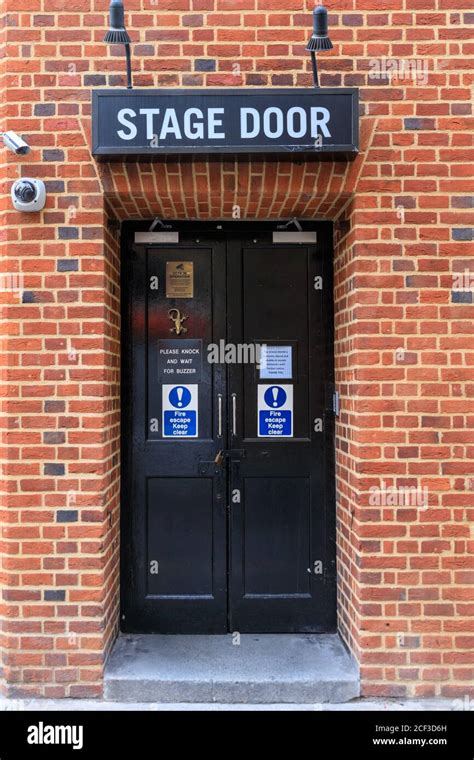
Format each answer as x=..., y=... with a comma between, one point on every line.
x=224, y=189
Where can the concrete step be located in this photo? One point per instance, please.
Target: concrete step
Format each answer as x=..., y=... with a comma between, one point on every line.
x=262, y=668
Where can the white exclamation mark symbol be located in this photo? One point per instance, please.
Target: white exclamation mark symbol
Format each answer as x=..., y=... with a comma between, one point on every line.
x=275, y=396
x=179, y=392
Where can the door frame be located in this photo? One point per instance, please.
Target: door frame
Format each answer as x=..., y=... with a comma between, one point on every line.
x=233, y=229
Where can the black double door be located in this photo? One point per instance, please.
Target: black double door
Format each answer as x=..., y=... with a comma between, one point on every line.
x=227, y=484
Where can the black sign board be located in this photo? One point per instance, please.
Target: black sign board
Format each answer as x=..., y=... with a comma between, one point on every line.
x=316, y=122
x=179, y=361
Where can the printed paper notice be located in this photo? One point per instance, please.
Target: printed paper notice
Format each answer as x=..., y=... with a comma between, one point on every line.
x=276, y=363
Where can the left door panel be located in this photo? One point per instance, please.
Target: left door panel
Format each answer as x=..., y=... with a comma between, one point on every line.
x=174, y=553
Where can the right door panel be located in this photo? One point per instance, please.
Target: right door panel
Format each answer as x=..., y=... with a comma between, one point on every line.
x=282, y=568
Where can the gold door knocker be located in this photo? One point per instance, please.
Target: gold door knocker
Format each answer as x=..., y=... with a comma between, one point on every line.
x=178, y=321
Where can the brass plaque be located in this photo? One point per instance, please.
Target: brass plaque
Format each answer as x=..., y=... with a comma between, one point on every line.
x=179, y=279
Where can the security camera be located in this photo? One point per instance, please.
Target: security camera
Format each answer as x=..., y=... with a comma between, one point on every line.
x=28, y=194
x=15, y=143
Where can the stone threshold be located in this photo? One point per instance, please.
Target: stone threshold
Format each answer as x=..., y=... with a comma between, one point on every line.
x=260, y=669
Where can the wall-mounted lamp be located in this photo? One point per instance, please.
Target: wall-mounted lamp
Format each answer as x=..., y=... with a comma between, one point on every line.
x=118, y=35
x=319, y=40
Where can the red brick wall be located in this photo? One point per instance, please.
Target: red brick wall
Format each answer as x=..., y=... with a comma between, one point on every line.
x=404, y=330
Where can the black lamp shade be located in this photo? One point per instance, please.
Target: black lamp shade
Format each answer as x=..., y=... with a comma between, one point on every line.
x=319, y=39
x=117, y=33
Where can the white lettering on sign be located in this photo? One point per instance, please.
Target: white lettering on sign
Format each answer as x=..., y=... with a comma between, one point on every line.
x=274, y=120
x=149, y=113
x=246, y=130
x=196, y=124
x=170, y=125
x=122, y=118
x=192, y=129
x=319, y=120
x=214, y=122
x=292, y=122
x=273, y=127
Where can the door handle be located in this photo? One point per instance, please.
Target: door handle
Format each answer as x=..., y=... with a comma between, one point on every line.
x=219, y=415
x=234, y=414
